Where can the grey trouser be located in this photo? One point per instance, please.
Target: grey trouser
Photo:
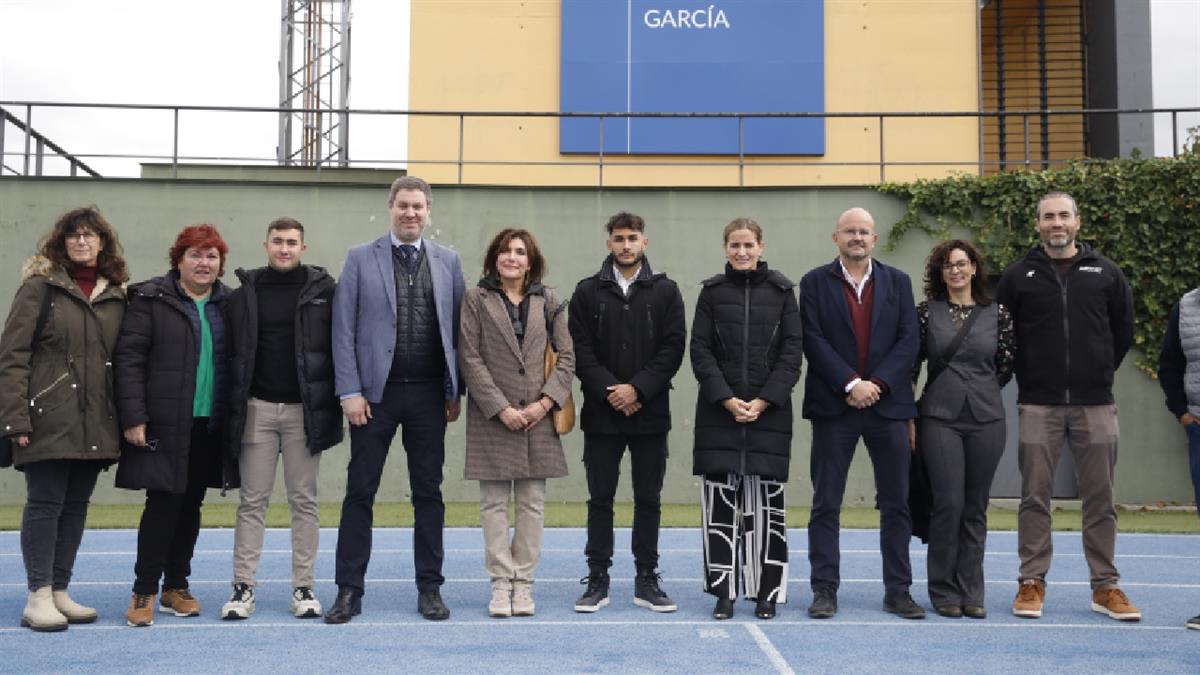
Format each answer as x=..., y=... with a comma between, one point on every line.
x=512, y=562
x=273, y=429
x=1091, y=433
x=961, y=458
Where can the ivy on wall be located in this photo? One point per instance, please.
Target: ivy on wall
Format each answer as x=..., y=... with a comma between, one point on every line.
x=1144, y=214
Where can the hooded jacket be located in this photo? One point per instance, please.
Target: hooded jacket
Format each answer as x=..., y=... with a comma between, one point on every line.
x=60, y=390
x=747, y=341
x=1071, y=334
x=155, y=362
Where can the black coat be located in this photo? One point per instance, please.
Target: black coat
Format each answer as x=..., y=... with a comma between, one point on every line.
x=1072, y=335
x=637, y=340
x=314, y=358
x=155, y=366
x=746, y=342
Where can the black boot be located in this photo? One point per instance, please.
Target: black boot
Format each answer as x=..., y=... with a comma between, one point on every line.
x=347, y=605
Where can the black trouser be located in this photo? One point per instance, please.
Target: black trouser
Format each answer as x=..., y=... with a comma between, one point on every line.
x=961, y=458
x=419, y=410
x=171, y=522
x=57, y=492
x=834, y=442
x=648, y=464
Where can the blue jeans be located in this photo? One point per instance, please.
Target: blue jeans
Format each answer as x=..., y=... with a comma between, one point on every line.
x=1193, y=434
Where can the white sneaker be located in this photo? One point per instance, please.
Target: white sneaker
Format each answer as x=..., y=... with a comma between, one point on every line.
x=304, y=604
x=501, y=602
x=522, y=600
x=241, y=603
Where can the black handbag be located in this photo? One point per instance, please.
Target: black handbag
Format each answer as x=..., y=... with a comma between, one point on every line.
x=9, y=443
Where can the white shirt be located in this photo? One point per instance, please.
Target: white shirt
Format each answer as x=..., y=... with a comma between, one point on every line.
x=622, y=281
x=396, y=241
x=858, y=286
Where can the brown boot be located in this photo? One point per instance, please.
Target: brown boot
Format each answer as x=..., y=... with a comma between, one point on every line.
x=179, y=601
x=1030, y=596
x=141, y=610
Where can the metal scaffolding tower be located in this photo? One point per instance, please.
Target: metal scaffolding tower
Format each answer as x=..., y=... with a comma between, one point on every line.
x=314, y=80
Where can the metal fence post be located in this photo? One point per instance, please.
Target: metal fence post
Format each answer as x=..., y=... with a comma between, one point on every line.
x=881, y=165
x=39, y=153
x=1025, y=124
x=175, y=144
x=600, y=166
x=461, y=137
x=741, y=151
x=28, y=133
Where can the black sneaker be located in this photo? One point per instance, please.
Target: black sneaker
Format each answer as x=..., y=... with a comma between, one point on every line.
x=596, y=595
x=824, y=604
x=646, y=593
x=903, y=606
x=1194, y=622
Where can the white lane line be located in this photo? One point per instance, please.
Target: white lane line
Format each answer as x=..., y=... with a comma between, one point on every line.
x=773, y=655
x=916, y=553
x=476, y=624
x=574, y=580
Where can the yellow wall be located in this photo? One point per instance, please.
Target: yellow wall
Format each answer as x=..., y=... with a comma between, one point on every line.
x=503, y=55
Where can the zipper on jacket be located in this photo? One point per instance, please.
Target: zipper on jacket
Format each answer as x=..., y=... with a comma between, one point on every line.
x=1062, y=283
x=33, y=399
x=650, y=321
x=767, y=353
x=745, y=363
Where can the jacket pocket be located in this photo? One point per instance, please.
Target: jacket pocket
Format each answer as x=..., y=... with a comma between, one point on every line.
x=59, y=389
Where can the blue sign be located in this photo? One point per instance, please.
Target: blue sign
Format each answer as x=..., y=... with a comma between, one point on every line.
x=687, y=56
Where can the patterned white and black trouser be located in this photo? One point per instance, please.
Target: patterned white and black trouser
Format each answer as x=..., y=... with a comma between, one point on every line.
x=744, y=517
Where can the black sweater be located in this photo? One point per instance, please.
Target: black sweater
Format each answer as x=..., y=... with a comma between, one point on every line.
x=275, y=377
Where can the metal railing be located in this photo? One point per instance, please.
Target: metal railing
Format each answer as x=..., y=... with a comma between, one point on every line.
x=460, y=158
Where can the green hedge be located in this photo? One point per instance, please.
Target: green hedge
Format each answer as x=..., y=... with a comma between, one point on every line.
x=1141, y=213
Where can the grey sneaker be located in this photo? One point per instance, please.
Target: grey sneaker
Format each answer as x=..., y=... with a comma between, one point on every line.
x=596, y=594
x=241, y=603
x=646, y=593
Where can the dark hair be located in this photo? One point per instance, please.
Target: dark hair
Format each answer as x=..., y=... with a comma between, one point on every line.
x=743, y=224
x=285, y=223
x=410, y=183
x=198, y=236
x=1055, y=194
x=537, y=264
x=625, y=221
x=935, y=285
x=110, y=263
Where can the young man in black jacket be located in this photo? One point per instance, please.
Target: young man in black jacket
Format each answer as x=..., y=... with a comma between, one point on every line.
x=627, y=323
x=282, y=404
x=1073, y=313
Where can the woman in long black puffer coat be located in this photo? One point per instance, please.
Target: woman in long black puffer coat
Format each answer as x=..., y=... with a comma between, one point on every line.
x=746, y=354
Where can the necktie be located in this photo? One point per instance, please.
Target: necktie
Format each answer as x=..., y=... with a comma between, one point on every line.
x=408, y=256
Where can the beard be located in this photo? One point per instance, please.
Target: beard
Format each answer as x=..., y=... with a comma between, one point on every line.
x=637, y=261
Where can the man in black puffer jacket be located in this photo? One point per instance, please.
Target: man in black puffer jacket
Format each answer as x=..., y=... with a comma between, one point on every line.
x=627, y=325
x=282, y=404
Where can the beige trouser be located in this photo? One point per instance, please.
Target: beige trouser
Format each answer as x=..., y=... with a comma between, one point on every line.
x=512, y=562
x=1091, y=433
x=274, y=429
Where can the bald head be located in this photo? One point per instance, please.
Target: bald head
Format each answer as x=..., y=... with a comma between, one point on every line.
x=855, y=236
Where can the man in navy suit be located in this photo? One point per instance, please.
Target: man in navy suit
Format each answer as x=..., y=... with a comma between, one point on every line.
x=861, y=340
x=395, y=337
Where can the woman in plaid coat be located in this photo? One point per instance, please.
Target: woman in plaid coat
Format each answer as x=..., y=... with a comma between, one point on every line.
x=512, y=447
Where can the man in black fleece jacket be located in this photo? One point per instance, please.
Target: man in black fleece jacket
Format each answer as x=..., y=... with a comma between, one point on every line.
x=1073, y=313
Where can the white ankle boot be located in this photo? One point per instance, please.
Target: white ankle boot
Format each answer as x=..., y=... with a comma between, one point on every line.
x=40, y=613
x=75, y=612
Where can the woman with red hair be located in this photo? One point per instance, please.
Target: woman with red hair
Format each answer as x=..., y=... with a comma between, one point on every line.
x=171, y=395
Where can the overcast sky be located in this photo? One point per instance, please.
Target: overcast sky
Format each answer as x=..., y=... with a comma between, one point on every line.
x=212, y=53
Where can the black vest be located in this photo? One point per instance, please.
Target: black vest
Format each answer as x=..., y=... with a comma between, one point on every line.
x=419, y=355
x=970, y=378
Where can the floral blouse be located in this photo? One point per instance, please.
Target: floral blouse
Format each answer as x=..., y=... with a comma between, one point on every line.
x=1006, y=341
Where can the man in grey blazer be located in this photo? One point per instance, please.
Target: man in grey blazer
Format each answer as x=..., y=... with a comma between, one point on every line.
x=395, y=337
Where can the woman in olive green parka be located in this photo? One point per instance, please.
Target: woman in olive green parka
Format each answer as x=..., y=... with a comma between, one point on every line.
x=57, y=407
